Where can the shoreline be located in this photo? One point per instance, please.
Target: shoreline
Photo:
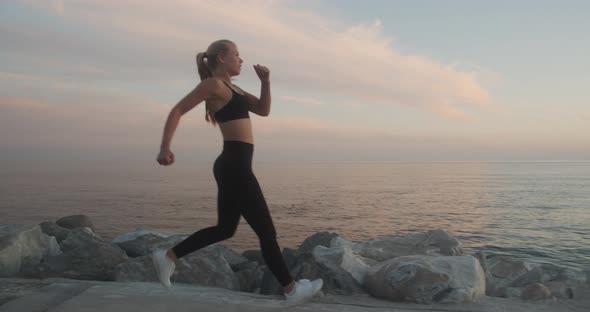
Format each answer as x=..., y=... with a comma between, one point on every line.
x=429, y=267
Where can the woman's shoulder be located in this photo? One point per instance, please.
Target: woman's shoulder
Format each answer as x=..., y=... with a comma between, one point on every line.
x=212, y=85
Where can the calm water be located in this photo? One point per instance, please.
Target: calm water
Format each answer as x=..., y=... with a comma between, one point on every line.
x=539, y=211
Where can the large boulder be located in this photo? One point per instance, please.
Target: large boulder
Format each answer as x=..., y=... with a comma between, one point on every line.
x=504, y=274
x=79, y=237
x=342, y=259
x=317, y=239
x=75, y=221
x=436, y=242
x=207, y=266
x=427, y=279
x=52, y=229
x=136, y=234
x=254, y=255
x=250, y=275
x=22, y=246
x=85, y=256
x=141, y=246
x=542, y=274
x=511, y=277
x=342, y=271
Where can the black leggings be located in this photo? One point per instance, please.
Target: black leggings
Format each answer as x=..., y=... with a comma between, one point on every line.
x=239, y=194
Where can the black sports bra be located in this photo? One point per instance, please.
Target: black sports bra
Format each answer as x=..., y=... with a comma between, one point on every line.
x=236, y=108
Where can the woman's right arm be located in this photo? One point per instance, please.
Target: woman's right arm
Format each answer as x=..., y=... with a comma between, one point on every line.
x=203, y=91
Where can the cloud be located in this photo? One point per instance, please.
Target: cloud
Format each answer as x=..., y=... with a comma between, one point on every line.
x=22, y=104
x=305, y=52
x=301, y=100
x=310, y=101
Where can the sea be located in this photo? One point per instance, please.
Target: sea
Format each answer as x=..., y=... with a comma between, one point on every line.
x=536, y=211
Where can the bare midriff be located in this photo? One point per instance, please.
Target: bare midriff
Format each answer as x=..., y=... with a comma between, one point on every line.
x=237, y=130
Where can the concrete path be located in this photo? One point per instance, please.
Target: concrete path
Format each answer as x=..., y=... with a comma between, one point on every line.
x=64, y=295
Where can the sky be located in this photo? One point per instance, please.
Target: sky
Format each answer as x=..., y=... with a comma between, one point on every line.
x=351, y=80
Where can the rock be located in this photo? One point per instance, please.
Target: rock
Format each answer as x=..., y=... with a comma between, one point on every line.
x=213, y=265
x=510, y=277
x=79, y=237
x=75, y=221
x=535, y=291
x=540, y=274
x=320, y=238
x=199, y=267
x=215, y=251
x=270, y=285
x=22, y=246
x=135, y=234
x=9, y=229
x=436, y=242
x=533, y=276
x=570, y=276
x=250, y=275
x=52, y=229
x=503, y=271
x=342, y=259
x=481, y=257
x=427, y=279
x=85, y=256
x=511, y=292
x=254, y=255
x=141, y=246
x=233, y=258
x=342, y=271
x=561, y=290
x=508, y=268
x=171, y=241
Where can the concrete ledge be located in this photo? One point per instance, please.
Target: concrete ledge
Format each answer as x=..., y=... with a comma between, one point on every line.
x=64, y=295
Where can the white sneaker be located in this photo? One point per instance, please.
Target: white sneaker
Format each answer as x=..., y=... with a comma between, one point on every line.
x=304, y=289
x=164, y=266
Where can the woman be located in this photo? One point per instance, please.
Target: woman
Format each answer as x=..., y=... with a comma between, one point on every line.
x=239, y=193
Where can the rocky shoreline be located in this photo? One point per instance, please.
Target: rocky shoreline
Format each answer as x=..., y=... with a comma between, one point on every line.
x=425, y=268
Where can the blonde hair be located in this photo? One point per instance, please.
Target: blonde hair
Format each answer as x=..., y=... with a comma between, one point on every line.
x=206, y=64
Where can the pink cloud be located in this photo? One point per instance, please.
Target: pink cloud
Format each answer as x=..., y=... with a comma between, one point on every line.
x=21, y=104
x=305, y=51
x=301, y=100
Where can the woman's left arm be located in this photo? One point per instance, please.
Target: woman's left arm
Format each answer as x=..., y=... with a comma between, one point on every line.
x=261, y=106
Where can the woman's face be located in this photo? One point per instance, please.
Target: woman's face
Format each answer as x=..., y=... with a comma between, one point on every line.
x=232, y=60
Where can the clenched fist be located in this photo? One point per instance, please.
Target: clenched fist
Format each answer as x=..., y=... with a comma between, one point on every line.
x=166, y=157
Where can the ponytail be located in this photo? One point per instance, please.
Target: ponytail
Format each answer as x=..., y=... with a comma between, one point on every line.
x=206, y=63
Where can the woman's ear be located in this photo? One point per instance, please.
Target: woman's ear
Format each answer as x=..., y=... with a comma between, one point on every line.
x=220, y=58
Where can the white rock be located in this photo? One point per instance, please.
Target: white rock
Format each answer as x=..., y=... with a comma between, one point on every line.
x=24, y=246
x=434, y=243
x=427, y=279
x=342, y=256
